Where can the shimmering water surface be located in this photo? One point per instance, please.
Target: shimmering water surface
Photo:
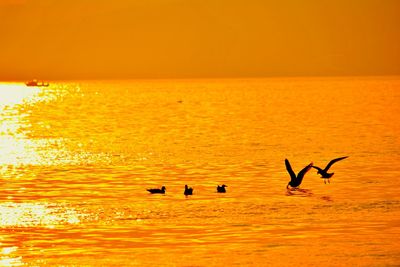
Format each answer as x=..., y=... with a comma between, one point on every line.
x=76, y=158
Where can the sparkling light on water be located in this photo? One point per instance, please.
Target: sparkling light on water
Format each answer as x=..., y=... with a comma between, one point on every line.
x=76, y=158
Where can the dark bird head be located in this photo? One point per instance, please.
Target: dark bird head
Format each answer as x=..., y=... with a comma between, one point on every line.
x=224, y=185
x=163, y=188
x=188, y=188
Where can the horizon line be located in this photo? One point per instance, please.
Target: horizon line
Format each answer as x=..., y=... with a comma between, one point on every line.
x=205, y=78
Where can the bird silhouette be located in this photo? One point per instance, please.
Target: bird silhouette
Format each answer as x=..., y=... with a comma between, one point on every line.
x=157, y=190
x=295, y=181
x=324, y=172
x=221, y=189
x=188, y=191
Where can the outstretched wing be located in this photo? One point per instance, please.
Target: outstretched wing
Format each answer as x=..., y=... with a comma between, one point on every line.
x=303, y=172
x=333, y=161
x=290, y=170
x=318, y=168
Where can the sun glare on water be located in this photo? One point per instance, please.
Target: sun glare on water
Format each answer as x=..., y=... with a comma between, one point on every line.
x=16, y=148
x=35, y=214
x=27, y=215
x=13, y=144
x=13, y=94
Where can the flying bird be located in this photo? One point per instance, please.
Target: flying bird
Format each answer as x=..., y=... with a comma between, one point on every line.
x=221, y=189
x=324, y=172
x=157, y=190
x=295, y=181
x=188, y=191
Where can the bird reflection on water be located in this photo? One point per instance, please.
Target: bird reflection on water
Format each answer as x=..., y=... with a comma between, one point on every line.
x=301, y=192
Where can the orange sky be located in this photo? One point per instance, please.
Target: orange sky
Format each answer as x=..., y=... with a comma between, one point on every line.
x=78, y=39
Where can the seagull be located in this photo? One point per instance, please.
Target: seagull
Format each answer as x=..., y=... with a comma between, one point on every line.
x=324, y=172
x=221, y=189
x=295, y=181
x=157, y=191
x=188, y=191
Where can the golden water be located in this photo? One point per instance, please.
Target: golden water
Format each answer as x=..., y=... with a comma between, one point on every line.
x=76, y=158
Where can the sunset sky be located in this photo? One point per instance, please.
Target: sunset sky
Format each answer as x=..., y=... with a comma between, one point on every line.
x=104, y=39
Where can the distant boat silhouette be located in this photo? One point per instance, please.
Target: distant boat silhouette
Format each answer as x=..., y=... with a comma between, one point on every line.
x=221, y=189
x=295, y=181
x=37, y=83
x=324, y=172
x=157, y=191
x=188, y=191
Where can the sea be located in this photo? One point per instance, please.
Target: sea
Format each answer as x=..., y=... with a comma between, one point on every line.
x=76, y=158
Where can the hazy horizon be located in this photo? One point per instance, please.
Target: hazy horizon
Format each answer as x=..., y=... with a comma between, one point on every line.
x=173, y=39
x=367, y=77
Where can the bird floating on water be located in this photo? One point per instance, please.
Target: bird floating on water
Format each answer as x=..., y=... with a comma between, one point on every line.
x=221, y=189
x=188, y=191
x=157, y=190
x=324, y=172
x=295, y=181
